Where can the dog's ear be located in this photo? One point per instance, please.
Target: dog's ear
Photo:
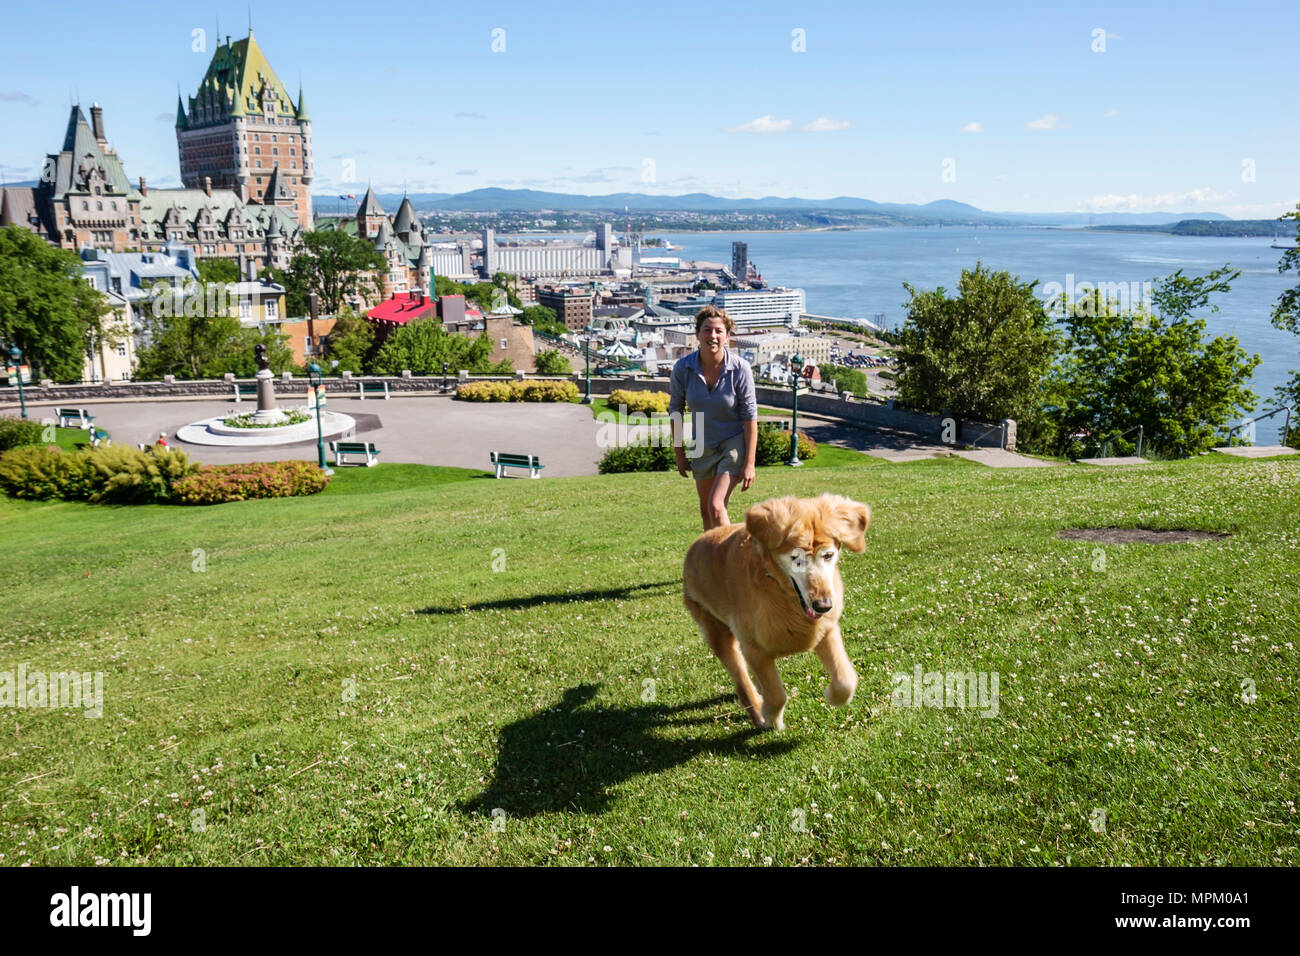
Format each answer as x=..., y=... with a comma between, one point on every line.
x=767, y=521
x=849, y=520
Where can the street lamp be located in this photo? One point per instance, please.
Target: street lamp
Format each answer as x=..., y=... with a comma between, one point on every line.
x=586, y=351
x=16, y=354
x=796, y=365
x=444, y=376
x=318, y=396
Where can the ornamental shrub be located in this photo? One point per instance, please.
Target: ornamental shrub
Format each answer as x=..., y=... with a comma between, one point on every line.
x=109, y=474
x=217, y=484
x=627, y=458
x=534, y=391
x=646, y=402
x=774, y=445
x=16, y=432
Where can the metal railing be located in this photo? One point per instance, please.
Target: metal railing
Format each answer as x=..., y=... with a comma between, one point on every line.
x=1105, y=447
x=1286, y=424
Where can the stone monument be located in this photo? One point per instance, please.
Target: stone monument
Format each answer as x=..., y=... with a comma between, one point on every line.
x=267, y=413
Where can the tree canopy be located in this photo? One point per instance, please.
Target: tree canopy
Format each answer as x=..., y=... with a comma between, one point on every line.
x=423, y=346
x=1286, y=316
x=1120, y=370
x=46, y=308
x=982, y=354
x=336, y=266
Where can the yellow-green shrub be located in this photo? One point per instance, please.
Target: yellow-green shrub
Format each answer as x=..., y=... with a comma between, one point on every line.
x=646, y=402
x=540, y=391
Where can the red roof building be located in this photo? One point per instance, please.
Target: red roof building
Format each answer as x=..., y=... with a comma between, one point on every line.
x=395, y=312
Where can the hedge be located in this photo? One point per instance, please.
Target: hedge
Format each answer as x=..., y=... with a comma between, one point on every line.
x=540, y=391
x=110, y=474
x=645, y=402
x=217, y=484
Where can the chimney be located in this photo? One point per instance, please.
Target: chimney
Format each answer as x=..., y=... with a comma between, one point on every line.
x=97, y=124
x=144, y=190
x=207, y=185
x=250, y=272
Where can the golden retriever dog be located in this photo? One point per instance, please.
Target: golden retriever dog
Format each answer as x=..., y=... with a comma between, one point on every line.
x=771, y=587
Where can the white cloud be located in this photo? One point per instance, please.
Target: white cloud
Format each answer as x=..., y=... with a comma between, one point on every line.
x=824, y=124
x=764, y=124
x=1046, y=121
x=1162, y=202
x=1109, y=113
x=973, y=128
x=1000, y=177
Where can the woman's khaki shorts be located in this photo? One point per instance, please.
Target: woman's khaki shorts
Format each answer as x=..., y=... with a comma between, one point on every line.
x=725, y=458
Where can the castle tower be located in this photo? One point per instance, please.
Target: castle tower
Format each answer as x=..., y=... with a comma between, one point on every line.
x=241, y=124
x=370, y=216
x=424, y=269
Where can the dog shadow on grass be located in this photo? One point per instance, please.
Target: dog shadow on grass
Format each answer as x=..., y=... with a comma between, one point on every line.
x=569, y=756
x=560, y=597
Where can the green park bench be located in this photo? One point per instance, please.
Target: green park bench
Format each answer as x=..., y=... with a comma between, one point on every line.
x=74, y=418
x=374, y=388
x=245, y=388
x=342, y=449
x=502, y=461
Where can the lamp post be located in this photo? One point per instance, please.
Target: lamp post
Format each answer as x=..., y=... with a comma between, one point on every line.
x=16, y=354
x=796, y=365
x=317, y=391
x=444, y=376
x=586, y=351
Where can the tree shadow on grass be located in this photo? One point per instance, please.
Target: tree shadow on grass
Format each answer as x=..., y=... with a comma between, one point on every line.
x=567, y=757
x=565, y=597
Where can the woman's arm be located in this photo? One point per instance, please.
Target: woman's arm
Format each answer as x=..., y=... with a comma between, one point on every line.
x=751, y=449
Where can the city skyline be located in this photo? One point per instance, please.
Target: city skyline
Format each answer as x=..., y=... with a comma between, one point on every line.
x=1105, y=110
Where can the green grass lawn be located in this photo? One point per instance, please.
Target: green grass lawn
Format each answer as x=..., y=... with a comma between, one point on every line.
x=365, y=675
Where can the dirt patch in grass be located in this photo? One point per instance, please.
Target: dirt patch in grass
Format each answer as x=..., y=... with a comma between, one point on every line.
x=1139, y=535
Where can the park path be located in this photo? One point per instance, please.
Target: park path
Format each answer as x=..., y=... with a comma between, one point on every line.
x=435, y=430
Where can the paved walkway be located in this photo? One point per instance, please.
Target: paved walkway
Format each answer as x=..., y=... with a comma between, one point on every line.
x=1257, y=451
x=1118, y=460
x=430, y=431
x=898, y=446
x=435, y=430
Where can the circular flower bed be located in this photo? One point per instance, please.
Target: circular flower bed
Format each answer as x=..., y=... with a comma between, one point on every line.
x=292, y=416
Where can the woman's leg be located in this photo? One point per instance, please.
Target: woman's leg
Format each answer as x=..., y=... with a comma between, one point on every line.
x=704, y=487
x=719, y=494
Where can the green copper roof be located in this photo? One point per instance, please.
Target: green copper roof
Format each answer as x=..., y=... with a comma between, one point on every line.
x=180, y=112
x=237, y=79
x=302, y=106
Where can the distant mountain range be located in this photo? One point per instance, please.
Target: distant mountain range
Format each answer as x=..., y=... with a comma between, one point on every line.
x=941, y=211
x=944, y=211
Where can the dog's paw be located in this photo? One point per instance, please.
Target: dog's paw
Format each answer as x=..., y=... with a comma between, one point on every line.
x=773, y=719
x=837, y=695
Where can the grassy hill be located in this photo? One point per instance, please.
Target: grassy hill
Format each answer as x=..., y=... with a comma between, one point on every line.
x=364, y=676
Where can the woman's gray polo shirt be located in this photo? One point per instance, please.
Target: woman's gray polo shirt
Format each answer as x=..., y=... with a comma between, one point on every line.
x=720, y=410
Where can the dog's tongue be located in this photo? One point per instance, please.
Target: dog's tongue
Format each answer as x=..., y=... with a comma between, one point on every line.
x=812, y=615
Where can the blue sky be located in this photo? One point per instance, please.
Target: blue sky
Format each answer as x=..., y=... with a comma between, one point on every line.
x=1188, y=106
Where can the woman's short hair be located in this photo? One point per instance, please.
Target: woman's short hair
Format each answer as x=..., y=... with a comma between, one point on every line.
x=713, y=312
